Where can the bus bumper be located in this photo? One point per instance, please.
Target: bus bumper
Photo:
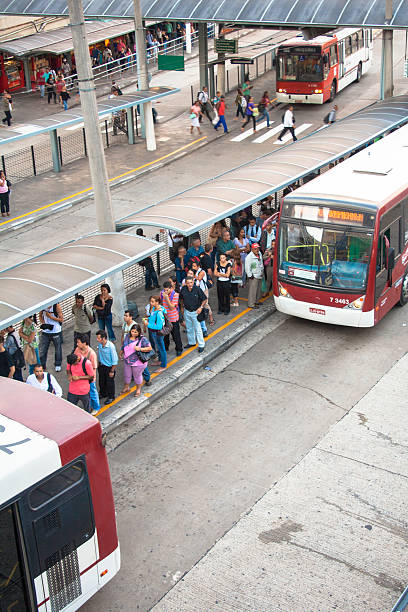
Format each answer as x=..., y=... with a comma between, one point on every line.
x=299, y=98
x=325, y=314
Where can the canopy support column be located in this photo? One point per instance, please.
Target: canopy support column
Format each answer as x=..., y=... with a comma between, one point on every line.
x=188, y=38
x=54, y=151
x=131, y=124
x=387, y=73
x=149, y=126
x=27, y=73
x=203, y=54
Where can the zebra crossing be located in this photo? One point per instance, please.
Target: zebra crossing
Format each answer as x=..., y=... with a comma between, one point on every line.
x=270, y=133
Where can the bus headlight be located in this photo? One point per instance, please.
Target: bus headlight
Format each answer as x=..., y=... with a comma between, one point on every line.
x=318, y=91
x=284, y=292
x=357, y=304
x=282, y=91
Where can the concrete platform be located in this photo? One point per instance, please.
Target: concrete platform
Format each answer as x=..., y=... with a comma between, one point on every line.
x=330, y=535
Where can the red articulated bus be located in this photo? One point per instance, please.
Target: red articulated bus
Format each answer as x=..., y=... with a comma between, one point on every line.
x=58, y=539
x=313, y=71
x=342, y=248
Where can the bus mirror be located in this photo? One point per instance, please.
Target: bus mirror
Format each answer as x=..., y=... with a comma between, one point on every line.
x=390, y=259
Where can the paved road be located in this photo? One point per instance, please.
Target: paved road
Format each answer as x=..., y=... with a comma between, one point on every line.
x=184, y=480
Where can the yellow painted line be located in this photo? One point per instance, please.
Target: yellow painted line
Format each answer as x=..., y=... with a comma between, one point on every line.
x=176, y=359
x=73, y=195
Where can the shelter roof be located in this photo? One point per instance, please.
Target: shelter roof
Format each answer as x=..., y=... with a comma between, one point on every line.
x=55, y=275
x=75, y=115
x=60, y=40
x=291, y=13
x=227, y=193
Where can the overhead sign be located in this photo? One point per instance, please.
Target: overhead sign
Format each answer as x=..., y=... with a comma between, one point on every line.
x=170, y=62
x=222, y=45
x=241, y=60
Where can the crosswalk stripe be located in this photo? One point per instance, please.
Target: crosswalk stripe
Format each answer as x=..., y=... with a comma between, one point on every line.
x=248, y=133
x=269, y=134
x=298, y=130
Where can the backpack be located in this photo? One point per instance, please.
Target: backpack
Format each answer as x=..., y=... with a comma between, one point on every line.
x=243, y=103
x=18, y=356
x=261, y=107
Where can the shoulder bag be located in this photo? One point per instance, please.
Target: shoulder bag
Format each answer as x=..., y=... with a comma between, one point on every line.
x=18, y=356
x=167, y=327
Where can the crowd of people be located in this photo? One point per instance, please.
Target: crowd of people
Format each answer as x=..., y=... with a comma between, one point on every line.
x=236, y=254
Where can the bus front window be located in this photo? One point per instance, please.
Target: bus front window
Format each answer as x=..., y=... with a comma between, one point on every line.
x=298, y=67
x=324, y=256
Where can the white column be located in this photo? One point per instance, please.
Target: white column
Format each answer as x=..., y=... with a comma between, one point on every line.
x=149, y=126
x=188, y=37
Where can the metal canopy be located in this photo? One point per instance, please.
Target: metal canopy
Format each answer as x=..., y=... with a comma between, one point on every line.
x=55, y=275
x=75, y=115
x=226, y=194
x=60, y=40
x=295, y=13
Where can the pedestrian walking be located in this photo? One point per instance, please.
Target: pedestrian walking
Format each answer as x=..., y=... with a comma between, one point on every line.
x=254, y=272
x=240, y=103
x=44, y=381
x=193, y=301
x=170, y=301
x=206, y=106
x=50, y=87
x=64, y=97
x=263, y=109
x=221, y=115
x=134, y=346
x=7, y=107
x=83, y=319
x=249, y=114
x=103, y=306
x=156, y=323
x=80, y=372
x=12, y=344
x=51, y=320
x=107, y=360
x=84, y=350
x=222, y=273
x=195, y=114
x=246, y=90
x=7, y=368
x=29, y=341
x=288, y=124
x=4, y=195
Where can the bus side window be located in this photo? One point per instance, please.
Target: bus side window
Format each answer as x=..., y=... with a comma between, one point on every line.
x=333, y=55
x=360, y=39
x=395, y=236
x=405, y=226
x=348, y=46
x=355, y=42
x=326, y=65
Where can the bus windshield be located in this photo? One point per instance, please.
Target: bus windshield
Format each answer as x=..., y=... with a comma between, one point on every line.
x=299, y=67
x=324, y=256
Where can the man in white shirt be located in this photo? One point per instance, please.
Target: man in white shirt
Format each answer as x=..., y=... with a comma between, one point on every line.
x=254, y=270
x=44, y=380
x=288, y=124
x=204, y=100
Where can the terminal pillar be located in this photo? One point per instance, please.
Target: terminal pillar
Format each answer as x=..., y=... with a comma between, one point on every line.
x=54, y=151
x=203, y=54
x=387, y=73
x=212, y=81
x=221, y=65
x=188, y=37
x=131, y=124
x=27, y=73
x=149, y=126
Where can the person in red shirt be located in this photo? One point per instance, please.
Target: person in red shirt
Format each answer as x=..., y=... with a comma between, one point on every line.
x=80, y=373
x=221, y=115
x=41, y=82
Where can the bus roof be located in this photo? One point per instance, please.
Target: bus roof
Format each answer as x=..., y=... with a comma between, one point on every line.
x=322, y=39
x=369, y=179
x=39, y=433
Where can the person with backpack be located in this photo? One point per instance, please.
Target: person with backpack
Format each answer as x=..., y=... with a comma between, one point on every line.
x=44, y=381
x=288, y=120
x=84, y=350
x=51, y=331
x=83, y=319
x=240, y=103
x=263, y=109
x=80, y=373
x=12, y=344
x=249, y=114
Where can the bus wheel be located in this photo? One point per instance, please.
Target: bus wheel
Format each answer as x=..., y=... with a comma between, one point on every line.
x=404, y=291
x=359, y=72
x=333, y=90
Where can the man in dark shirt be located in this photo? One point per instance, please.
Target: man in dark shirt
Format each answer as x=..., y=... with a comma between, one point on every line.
x=6, y=363
x=193, y=300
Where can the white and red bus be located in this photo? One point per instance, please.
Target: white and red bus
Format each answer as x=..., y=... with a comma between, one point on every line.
x=58, y=539
x=313, y=71
x=342, y=245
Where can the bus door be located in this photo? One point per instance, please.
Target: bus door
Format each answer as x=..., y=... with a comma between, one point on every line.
x=341, y=59
x=387, y=253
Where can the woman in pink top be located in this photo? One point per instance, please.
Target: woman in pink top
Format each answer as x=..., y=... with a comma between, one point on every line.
x=4, y=195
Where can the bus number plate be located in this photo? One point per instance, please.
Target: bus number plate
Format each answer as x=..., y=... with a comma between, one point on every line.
x=318, y=311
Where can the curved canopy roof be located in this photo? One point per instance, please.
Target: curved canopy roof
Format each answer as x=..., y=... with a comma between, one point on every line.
x=295, y=13
x=42, y=281
x=210, y=201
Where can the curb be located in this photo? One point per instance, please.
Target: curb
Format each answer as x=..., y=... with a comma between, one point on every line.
x=171, y=379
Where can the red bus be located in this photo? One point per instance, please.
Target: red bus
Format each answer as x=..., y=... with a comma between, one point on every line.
x=313, y=71
x=58, y=540
x=342, y=245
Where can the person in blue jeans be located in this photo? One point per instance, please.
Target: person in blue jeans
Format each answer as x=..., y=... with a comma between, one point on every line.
x=155, y=323
x=103, y=308
x=263, y=109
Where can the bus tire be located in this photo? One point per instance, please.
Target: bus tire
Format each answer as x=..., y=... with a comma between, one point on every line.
x=404, y=290
x=359, y=72
x=333, y=91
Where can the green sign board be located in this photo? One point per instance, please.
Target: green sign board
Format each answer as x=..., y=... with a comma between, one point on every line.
x=222, y=45
x=171, y=62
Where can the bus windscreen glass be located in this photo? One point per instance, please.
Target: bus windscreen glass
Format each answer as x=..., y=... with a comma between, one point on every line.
x=300, y=67
x=324, y=256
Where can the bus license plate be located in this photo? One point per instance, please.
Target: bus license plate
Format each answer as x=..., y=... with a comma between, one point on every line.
x=318, y=311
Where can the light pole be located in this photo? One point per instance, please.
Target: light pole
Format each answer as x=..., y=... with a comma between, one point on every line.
x=146, y=114
x=387, y=73
x=96, y=154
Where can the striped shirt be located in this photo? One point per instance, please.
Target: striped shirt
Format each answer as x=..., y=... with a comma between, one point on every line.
x=172, y=313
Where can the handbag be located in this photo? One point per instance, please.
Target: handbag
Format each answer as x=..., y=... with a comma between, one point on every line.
x=29, y=355
x=193, y=116
x=167, y=327
x=144, y=357
x=216, y=118
x=203, y=315
x=255, y=112
x=18, y=356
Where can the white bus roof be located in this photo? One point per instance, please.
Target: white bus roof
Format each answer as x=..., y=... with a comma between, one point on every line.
x=368, y=179
x=322, y=39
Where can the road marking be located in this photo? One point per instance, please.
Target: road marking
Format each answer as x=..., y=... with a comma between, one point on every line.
x=73, y=195
x=248, y=133
x=269, y=134
x=298, y=130
x=185, y=353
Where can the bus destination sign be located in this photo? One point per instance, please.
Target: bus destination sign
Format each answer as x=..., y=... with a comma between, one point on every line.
x=327, y=215
x=304, y=50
